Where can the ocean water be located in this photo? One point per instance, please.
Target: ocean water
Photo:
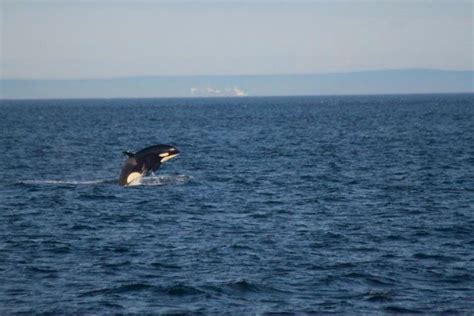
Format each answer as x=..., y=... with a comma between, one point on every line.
x=302, y=204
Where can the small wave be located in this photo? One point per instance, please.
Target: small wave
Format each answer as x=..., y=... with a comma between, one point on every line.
x=183, y=290
x=165, y=266
x=245, y=286
x=174, y=290
x=401, y=310
x=371, y=279
x=241, y=287
x=378, y=296
x=125, y=288
x=435, y=257
x=43, y=269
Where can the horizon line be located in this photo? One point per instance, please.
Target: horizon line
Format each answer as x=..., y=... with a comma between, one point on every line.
x=243, y=97
x=239, y=75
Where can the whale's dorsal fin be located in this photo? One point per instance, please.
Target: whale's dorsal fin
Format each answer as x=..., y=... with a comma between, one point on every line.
x=129, y=154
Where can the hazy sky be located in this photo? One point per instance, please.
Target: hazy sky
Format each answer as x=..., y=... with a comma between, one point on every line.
x=104, y=38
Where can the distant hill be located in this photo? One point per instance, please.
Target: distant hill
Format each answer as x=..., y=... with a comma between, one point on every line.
x=363, y=82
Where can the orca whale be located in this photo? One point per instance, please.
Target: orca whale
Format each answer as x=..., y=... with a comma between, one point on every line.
x=143, y=161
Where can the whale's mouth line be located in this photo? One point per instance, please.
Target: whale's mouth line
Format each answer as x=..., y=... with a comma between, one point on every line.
x=168, y=157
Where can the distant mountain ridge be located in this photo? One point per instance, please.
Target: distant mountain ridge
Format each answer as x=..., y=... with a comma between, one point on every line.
x=360, y=82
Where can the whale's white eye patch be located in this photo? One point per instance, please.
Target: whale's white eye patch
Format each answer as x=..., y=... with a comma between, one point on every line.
x=164, y=155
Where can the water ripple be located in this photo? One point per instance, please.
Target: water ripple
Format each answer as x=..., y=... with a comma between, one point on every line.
x=307, y=205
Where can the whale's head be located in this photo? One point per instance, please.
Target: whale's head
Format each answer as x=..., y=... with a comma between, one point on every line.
x=166, y=152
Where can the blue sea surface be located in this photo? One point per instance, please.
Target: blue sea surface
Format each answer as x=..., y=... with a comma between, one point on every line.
x=354, y=204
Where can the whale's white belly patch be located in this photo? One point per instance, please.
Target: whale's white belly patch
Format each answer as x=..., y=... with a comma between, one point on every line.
x=134, y=178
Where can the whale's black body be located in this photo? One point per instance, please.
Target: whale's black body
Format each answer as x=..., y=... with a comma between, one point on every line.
x=140, y=163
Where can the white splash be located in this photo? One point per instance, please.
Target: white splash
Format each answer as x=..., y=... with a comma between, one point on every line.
x=165, y=180
x=146, y=181
x=66, y=182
